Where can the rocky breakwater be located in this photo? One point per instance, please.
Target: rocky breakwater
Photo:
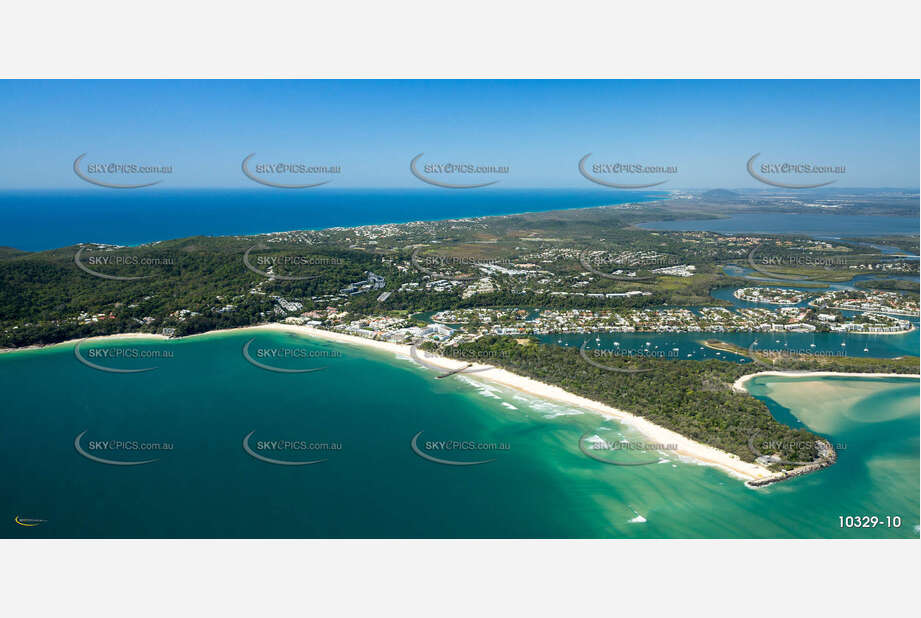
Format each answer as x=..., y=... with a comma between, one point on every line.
x=826, y=457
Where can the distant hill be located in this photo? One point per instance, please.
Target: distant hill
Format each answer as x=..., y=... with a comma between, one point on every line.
x=6, y=252
x=719, y=195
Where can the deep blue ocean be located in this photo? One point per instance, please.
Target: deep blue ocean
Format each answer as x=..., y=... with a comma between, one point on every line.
x=39, y=220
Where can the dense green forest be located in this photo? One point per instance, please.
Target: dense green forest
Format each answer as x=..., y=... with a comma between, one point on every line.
x=890, y=285
x=693, y=397
x=43, y=295
x=202, y=283
x=775, y=360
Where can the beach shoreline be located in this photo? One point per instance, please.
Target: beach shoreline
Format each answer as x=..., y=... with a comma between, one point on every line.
x=739, y=385
x=685, y=447
x=68, y=342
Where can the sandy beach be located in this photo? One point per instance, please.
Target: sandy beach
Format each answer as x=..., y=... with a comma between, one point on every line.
x=739, y=385
x=687, y=448
x=74, y=341
x=700, y=453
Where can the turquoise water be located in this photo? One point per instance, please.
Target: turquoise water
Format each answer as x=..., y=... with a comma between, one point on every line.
x=874, y=427
x=690, y=345
x=205, y=398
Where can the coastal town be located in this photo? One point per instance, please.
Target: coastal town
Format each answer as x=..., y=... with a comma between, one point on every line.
x=770, y=296
x=633, y=280
x=847, y=310
x=860, y=300
x=679, y=320
x=460, y=325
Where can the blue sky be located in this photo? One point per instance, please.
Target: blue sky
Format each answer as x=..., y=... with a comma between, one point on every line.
x=540, y=129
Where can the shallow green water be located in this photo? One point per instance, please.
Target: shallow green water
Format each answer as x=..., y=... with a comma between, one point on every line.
x=205, y=397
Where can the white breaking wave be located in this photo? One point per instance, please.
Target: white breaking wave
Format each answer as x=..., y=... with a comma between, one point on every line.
x=546, y=408
x=482, y=389
x=567, y=412
x=639, y=519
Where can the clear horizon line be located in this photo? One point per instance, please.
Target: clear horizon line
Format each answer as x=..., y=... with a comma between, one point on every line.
x=492, y=188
